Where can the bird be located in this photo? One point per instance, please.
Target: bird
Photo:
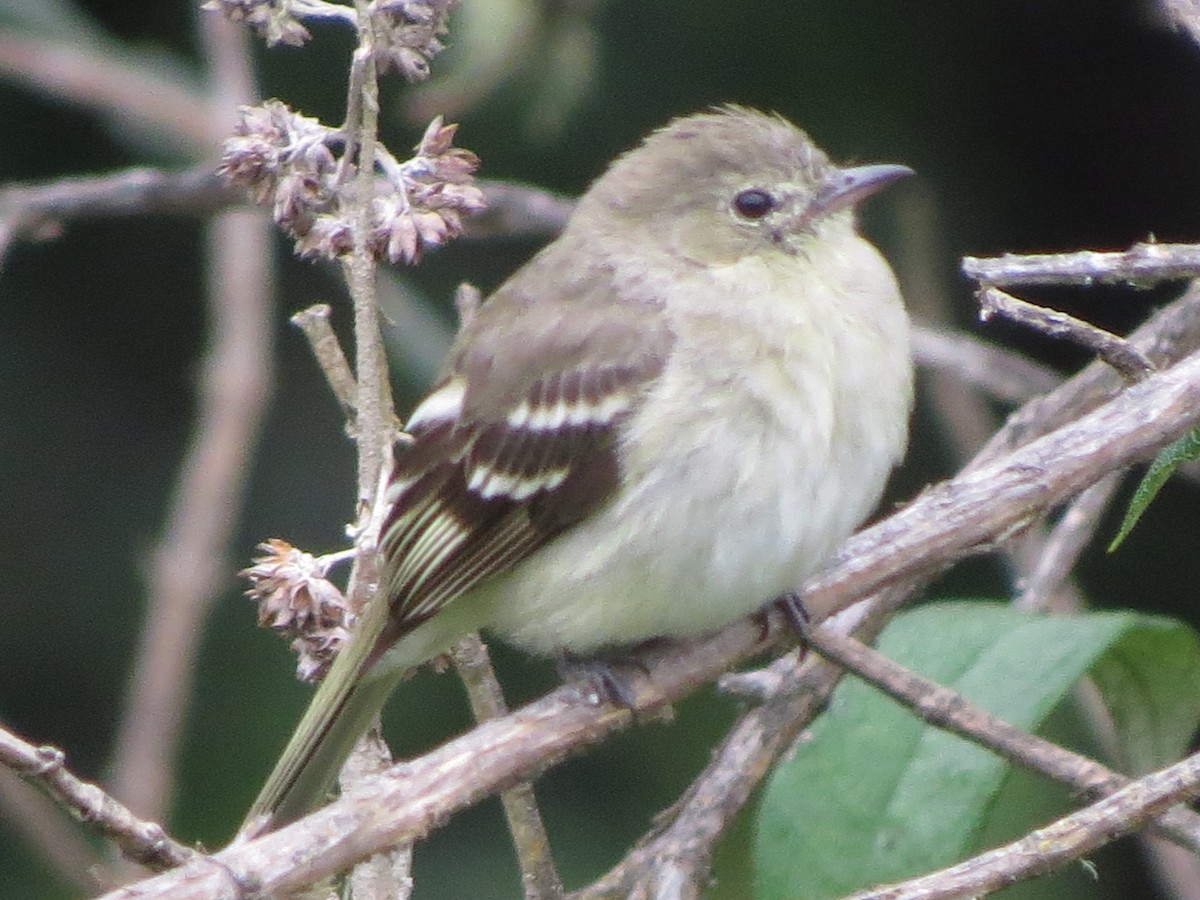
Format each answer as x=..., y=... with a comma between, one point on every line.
x=669, y=416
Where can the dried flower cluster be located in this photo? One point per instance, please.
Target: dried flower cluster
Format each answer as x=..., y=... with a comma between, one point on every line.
x=408, y=33
x=284, y=158
x=275, y=20
x=434, y=190
x=295, y=599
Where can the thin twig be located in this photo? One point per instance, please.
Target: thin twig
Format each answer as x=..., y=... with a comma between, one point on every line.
x=1141, y=264
x=127, y=86
x=539, y=878
x=314, y=322
x=189, y=562
x=1002, y=374
x=1169, y=334
x=950, y=711
x=38, y=211
x=373, y=405
x=1116, y=351
x=1062, y=548
x=1052, y=847
x=373, y=398
x=373, y=401
x=139, y=840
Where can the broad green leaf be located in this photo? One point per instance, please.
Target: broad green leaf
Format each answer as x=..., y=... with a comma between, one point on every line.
x=1171, y=457
x=1150, y=681
x=875, y=795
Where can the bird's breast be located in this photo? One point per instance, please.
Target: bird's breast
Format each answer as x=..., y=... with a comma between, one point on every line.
x=766, y=439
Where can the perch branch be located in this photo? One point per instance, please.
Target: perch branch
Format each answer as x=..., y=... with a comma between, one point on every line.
x=944, y=524
x=716, y=792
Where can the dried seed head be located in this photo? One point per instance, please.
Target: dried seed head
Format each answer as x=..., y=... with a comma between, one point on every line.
x=410, y=33
x=273, y=19
x=284, y=159
x=296, y=599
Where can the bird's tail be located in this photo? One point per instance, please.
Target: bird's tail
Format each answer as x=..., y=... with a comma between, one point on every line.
x=343, y=707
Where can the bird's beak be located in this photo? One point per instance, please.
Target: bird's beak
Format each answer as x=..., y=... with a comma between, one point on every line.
x=849, y=187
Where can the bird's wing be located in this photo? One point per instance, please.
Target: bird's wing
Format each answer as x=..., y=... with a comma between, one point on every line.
x=517, y=443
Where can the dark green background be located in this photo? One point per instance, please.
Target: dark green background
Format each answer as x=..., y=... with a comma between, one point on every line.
x=1034, y=126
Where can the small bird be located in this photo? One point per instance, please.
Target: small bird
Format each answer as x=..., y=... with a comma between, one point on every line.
x=668, y=417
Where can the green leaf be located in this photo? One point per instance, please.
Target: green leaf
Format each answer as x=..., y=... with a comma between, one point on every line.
x=875, y=795
x=1150, y=680
x=1185, y=449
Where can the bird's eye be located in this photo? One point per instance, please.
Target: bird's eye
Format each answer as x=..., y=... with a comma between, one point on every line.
x=753, y=203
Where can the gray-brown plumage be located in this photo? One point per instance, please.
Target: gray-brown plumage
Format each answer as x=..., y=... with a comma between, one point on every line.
x=670, y=415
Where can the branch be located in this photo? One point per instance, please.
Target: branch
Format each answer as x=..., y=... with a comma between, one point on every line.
x=37, y=211
x=539, y=878
x=190, y=559
x=674, y=859
x=127, y=87
x=1116, y=351
x=1141, y=264
x=1169, y=334
x=946, y=523
x=1000, y=373
x=1049, y=848
x=373, y=402
x=372, y=405
x=1063, y=546
x=45, y=766
x=950, y=711
x=386, y=875
x=48, y=830
x=314, y=322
